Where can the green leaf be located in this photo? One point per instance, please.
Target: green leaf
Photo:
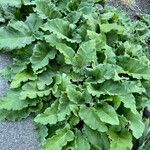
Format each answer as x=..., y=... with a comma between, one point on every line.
x=74, y=16
x=134, y=67
x=60, y=139
x=133, y=49
x=147, y=87
x=85, y=54
x=108, y=114
x=136, y=124
x=67, y=51
x=3, y=113
x=47, y=9
x=64, y=109
x=102, y=72
x=15, y=36
x=74, y=95
x=134, y=87
x=110, y=56
x=42, y=53
x=14, y=115
x=92, y=20
x=18, y=66
x=62, y=82
x=60, y=27
x=107, y=88
x=73, y=5
x=29, y=90
x=120, y=141
x=34, y=22
x=107, y=15
x=112, y=26
x=19, y=34
x=62, y=5
x=81, y=142
x=98, y=140
x=128, y=101
x=11, y=101
x=45, y=79
x=56, y=113
x=22, y=77
x=74, y=120
x=16, y=3
x=49, y=116
x=92, y=119
x=42, y=132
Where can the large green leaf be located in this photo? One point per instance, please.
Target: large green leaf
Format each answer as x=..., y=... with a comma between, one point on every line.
x=45, y=79
x=85, y=54
x=73, y=5
x=49, y=115
x=107, y=88
x=60, y=139
x=11, y=101
x=29, y=90
x=112, y=26
x=14, y=115
x=134, y=67
x=108, y=114
x=42, y=132
x=16, y=3
x=81, y=142
x=60, y=27
x=16, y=36
x=74, y=16
x=67, y=51
x=92, y=119
x=47, y=9
x=98, y=140
x=61, y=84
x=42, y=53
x=102, y=72
x=57, y=112
x=128, y=101
x=120, y=141
x=147, y=87
x=73, y=94
x=34, y=22
x=136, y=124
x=22, y=77
x=134, y=87
x=19, y=34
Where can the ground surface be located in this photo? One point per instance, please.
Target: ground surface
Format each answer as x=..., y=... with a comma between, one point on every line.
x=142, y=6
x=21, y=135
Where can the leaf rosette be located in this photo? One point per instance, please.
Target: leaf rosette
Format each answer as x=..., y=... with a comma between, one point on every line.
x=85, y=75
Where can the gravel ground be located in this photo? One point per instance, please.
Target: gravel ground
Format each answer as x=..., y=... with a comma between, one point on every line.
x=142, y=6
x=18, y=135
x=21, y=135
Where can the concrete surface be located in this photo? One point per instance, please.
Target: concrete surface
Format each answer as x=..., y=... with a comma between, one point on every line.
x=21, y=135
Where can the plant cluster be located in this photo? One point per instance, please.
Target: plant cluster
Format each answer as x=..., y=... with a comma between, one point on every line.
x=83, y=72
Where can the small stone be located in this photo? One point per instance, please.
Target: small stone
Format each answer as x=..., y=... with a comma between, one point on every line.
x=99, y=8
x=147, y=113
